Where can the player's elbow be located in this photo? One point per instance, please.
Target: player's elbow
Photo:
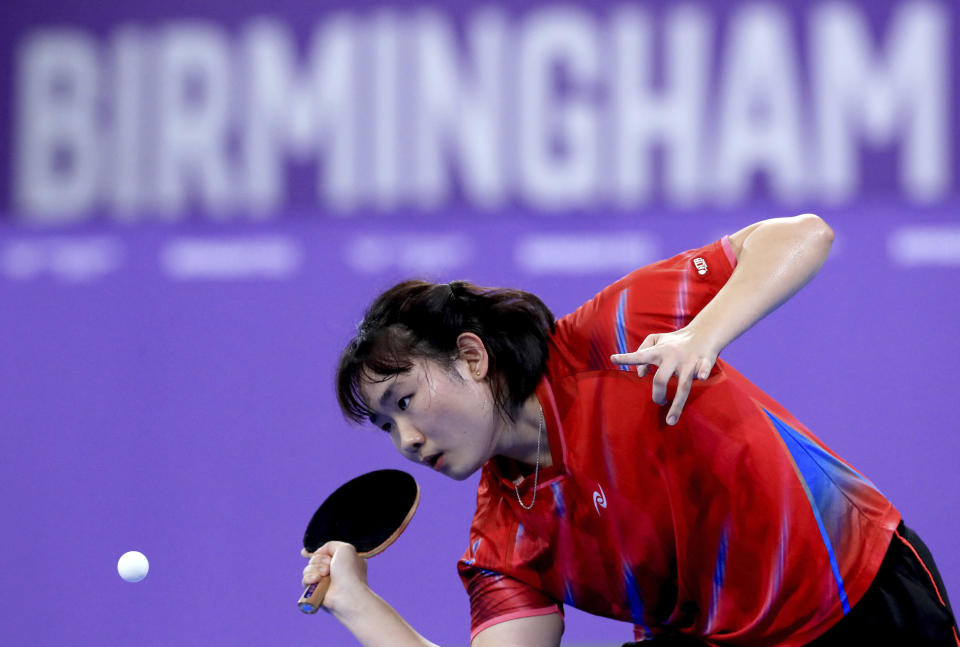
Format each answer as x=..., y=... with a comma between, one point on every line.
x=816, y=229
x=816, y=233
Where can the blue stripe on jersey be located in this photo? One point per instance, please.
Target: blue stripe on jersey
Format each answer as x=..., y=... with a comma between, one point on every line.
x=558, y=500
x=473, y=553
x=719, y=572
x=781, y=553
x=721, y=568
x=832, y=467
x=817, y=485
x=621, y=328
x=633, y=596
x=681, y=307
x=597, y=358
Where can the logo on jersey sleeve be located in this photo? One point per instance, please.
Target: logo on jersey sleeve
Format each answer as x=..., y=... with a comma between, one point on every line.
x=701, y=265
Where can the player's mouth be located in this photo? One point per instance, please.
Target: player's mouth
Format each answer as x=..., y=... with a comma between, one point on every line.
x=436, y=461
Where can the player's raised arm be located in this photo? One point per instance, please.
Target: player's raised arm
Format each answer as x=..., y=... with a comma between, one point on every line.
x=775, y=258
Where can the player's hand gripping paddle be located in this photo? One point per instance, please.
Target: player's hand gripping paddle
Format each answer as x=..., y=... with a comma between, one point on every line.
x=369, y=512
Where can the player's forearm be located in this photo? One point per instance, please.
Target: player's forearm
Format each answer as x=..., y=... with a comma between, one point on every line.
x=375, y=623
x=776, y=259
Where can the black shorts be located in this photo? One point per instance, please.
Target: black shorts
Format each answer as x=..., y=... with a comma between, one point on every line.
x=906, y=604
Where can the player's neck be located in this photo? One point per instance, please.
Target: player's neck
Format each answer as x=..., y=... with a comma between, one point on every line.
x=526, y=439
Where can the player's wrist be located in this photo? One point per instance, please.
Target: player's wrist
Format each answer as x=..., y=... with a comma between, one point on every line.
x=707, y=337
x=350, y=600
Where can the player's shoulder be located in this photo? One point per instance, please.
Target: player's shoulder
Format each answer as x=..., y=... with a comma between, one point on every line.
x=717, y=258
x=493, y=522
x=489, y=497
x=713, y=260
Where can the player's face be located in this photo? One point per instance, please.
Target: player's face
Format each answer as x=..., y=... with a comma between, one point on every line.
x=443, y=418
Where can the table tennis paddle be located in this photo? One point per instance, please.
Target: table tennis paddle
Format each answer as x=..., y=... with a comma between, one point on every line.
x=369, y=512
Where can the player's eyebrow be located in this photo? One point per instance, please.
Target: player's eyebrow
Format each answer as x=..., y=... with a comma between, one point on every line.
x=383, y=402
x=386, y=397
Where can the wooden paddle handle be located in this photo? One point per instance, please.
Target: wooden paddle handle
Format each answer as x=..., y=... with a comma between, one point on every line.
x=312, y=598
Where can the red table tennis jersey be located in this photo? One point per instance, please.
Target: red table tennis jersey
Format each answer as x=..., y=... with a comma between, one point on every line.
x=736, y=525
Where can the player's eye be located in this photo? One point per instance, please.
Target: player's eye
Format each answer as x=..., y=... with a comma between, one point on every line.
x=373, y=421
x=403, y=403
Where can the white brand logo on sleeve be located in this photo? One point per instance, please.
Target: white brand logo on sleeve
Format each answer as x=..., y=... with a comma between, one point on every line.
x=599, y=499
x=701, y=265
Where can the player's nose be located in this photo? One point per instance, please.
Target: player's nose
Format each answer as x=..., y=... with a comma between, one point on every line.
x=410, y=440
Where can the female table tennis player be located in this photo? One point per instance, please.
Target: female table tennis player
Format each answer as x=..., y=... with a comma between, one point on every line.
x=729, y=524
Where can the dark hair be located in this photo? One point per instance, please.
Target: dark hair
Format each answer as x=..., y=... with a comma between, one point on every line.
x=416, y=319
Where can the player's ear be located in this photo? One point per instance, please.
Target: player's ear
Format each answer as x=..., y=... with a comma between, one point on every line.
x=473, y=353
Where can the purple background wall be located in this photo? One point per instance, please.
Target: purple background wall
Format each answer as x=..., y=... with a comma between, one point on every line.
x=166, y=387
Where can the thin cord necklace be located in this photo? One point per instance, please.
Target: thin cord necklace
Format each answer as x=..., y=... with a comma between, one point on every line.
x=536, y=471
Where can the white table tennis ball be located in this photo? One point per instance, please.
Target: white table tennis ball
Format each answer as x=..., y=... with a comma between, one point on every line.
x=133, y=566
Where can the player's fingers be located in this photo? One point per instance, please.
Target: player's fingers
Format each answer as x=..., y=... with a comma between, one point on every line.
x=639, y=358
x=642, y=369
x=643, y=358
x=635, y=357
x=312, y=577
x=332, y=547
x=704, y=366
x=649, y=340
x=660, y=381
x=314, y=573
x=319, y=559
x=680, y=397
x=626, y=359
x=315, y=570
x=652, y=357
x=324, y=553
